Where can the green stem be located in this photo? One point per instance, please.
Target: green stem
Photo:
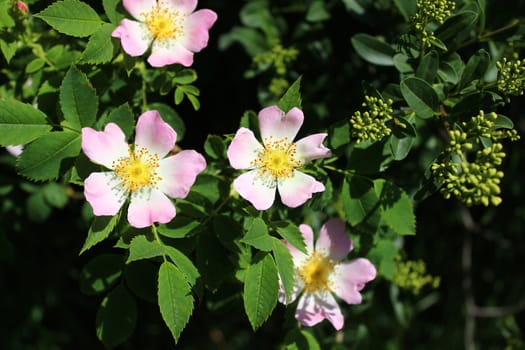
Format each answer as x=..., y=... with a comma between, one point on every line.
x=483, y=37
x=157, y=238
x=337, y=170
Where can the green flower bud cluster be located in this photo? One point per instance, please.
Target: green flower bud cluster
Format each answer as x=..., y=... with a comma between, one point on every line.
x=278, y=86
x=372, y=124
x=428, y=11
x=511, y=77
x=278, y=57
x=474, y=181
x=411, y=275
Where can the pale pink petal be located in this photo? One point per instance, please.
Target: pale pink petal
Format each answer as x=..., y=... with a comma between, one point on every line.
x=179, y=172
x=296, y=290
x=105, y=147
x=134, y=37
x=154, y=133
x=298, y=257
x=100, y=190
x=145, y=208
x=184, y=6
x=333, y=240
x=315, y=307
x=15, y=150
x=309, y=311
x=137, y=8
x=196, y=29
x=243, y=149
x=251, y=188
x=331, y=310
x=277, y=125
x=349, y=278
x=296, y=190
x=311, y=147
x=308, y=235
x=170, y=53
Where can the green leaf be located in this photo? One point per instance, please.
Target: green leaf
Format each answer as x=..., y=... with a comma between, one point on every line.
x=475, y=69
x=214, y=147
x=261, y=287
x=285, y=266
x=361, y=203
x=382, y=256
x=420, y=96
x=110, y=8
x=78, y=99
x=174, y=298
x=456, y=28
x=185, y=76
x=503, y=122
x=101, y=273
x=290, y=233
x=298, y=339
x=194, y=101
x=407, y=8
x=42, y=158
x=55, y=194
x=6, y=21
x=398, y=210
x=8, y=49
x=116, y=317
x=140, y=248
x=179, y=227
x=71, y=17
x=428, y=67
x=100, y=229
x=373, y=50
x=453, y=66
x=258, y=236
x=122, y=116
x=35, y=65
x=184, y=264
x=99, y=48
x=21, y=123
x=292, y=97
x=317, y=12
x=339, y=135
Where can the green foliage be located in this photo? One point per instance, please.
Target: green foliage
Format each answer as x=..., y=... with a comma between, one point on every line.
x=260, y=289
x=417, y=99
x=174, y=298
x=71, y=17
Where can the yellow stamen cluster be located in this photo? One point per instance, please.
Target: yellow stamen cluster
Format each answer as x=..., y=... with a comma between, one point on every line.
x=164, y=23
x=278, y=159
x=315, y=273
x=139, y=170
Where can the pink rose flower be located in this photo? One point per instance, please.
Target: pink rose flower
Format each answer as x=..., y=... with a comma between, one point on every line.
x=320, y=272
x=140, y=172
x=171, y=27
x=273, y=165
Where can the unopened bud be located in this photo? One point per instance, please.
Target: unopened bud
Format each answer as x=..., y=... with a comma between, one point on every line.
x=22, y=7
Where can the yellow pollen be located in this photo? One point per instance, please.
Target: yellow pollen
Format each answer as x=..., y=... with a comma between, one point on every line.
x=315, y=272
x=278, y=159
x=164, y=23
x=138, y=170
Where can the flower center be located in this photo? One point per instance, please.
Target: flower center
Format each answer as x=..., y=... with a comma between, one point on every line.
x=164, y=23
x=138, y=170
x=315, y=272
x=277, y=159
